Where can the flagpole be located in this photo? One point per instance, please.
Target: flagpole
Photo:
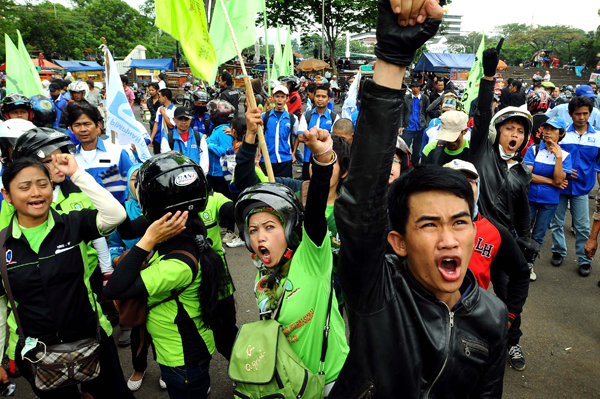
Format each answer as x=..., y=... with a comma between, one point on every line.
x=267, y=46
x=250, y=97
x=107, y=66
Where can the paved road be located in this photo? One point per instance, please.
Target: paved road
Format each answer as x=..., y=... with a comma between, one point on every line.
x=562, y=312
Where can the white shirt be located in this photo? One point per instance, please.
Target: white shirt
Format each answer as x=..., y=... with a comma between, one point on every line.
x=162, y=85
x=333, y=84
x=547, y=77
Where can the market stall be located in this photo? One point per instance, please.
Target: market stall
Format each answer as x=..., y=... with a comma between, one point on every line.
x=147, y=70
x=83, y=70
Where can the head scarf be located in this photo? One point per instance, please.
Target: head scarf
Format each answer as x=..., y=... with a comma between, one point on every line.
x=132, y=205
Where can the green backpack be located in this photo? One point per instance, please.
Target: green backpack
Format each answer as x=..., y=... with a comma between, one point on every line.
x=264, y=365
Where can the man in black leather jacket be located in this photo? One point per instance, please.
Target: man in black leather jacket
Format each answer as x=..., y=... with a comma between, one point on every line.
x=228, y=92
x=422, y=328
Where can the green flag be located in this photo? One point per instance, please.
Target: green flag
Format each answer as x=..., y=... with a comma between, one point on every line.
x=243, y=21
x=287, y=62
x=18, y=73
x=35, y=76
x=472, y=87
x=185, y=20
x=264, y=4
x=277, y=58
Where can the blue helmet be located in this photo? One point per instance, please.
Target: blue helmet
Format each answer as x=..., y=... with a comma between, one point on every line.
x=44, y=111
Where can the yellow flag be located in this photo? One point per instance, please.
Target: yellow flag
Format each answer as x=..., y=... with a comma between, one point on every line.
x=185, y=20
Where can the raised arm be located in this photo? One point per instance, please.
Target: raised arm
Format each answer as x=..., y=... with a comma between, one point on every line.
x=361, y=209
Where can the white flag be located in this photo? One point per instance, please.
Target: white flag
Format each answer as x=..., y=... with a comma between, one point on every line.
x=120, y=117
x=350, y=102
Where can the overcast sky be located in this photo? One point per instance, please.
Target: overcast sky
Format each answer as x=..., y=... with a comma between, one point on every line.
x=481, y=15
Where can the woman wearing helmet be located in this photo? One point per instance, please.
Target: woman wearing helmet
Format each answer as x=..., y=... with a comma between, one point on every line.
x=10, y=131
x=57, y=305
x=504, y=178
x=183, y=276
x=16, y=106
x=538, y=103
x=270, y=217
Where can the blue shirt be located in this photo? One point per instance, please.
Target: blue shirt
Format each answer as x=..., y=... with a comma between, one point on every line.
x=324, y=121
x=277, y=135
x=585, y=151
x=562, y=110
x=218, y=143
x=414, y=124
x=59, y=103
x=543, y=165
x=106, y=157
x=198, y=124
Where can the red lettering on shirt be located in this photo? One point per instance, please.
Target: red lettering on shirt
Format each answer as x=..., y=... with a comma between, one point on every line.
x=300, y=323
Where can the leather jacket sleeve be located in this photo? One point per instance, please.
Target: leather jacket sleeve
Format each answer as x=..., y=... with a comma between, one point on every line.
x=483, y=117
x=361, y=209
x=522, y=218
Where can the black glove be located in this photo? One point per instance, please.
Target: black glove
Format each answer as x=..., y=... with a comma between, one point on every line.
x=490, y=61
x=529, y=247
x=398, y=45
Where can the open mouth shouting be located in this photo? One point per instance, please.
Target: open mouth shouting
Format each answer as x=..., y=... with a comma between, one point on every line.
x=264, y=254
x=37, y=204
x=450, y=267
x=512, y=146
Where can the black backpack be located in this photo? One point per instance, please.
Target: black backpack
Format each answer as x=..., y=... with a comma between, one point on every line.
x=171, y=140
x=332, y=114
x=292, y=124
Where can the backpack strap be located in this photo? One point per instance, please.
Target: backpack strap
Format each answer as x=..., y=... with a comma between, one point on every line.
x=333, y=117
x=171, y=139
x=326, y=331
x=206, y=126
x=175, y=294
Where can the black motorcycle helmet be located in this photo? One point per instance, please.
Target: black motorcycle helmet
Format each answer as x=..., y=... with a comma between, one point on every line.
x=44, y=111
x=15, y=100
x=271, y=195
x=171, y=182
x=41, y=142
x=293, y=83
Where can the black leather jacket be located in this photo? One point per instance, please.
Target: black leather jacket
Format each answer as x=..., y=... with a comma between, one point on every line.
x=232, y=96
x=503, y=192
x=404, y=342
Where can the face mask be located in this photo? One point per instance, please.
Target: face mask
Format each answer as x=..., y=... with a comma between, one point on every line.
x=200, y=109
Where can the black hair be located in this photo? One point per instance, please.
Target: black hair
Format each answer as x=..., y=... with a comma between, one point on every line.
x=212, y=268
x=90, y=83
x=323, y=87
x=311, y=87
x=82, y=108
x=342, y=150
x=162, y=76
x=517, y=83
x=124, y=79
x=167, y=93
x=580, y=101
x=15, y=167
x=422, y=179
x=155, y=85
x=509, y=81
x=239, y=125
x=226, y=76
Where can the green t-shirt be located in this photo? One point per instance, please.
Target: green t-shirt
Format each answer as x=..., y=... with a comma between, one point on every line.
x=172, y=328
x=35, y=235
x=304, y=310
x=434, y=155
x=210, y=217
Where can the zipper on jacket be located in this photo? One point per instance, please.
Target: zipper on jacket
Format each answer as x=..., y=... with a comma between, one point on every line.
x=451, y=323
x=367, y=392
x=468, y=345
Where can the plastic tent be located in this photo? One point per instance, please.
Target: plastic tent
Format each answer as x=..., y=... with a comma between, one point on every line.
x=80, y=66
x=163, y=64
x=47, y=64
x=444, y=62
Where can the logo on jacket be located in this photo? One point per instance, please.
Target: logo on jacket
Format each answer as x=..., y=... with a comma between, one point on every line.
x=186, y=178
x=206, y=217
x=9, y=256
x=76, y=206
x=591, y=139
x=484, y=249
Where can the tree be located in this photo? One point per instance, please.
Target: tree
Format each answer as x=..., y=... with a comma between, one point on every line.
x=341, y=16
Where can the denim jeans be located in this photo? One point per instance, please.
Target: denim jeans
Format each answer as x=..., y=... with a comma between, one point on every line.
x=541, y=217
x=581, y=223
x=187, y=382
x=415, y=138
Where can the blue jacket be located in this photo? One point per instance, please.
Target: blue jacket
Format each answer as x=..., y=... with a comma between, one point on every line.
x=324, y=121
x=277, y=136
x=543, y=163
x=585, y=155
x=198, y=124
x=218, y=143
x=59, y=103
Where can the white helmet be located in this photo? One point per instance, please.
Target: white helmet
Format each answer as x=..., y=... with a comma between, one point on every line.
x=78, y=86
x=10, y=131
x=507, y=113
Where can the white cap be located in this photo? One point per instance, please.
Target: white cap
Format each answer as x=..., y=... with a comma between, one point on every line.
x=282, y=89
x=452, y=124
x=462, y=166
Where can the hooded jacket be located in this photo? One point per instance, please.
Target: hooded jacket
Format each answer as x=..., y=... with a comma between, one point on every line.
x=504, y=191
x=404, y=342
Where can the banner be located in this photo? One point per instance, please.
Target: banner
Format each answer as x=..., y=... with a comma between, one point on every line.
x=287, y=59
x=185, y=20
x=243, y=21
x=18, y=73
x=472, y=87
x=35, y=76
x=351, y=98
x=277, y=55
x=119, y=115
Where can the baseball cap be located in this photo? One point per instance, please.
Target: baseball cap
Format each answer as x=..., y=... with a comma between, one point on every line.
x=585, y=91
x=183, y=112
x=556, y=122
x=281, y=88
x=462, y=166
x=452, y=123
x=415, y=83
